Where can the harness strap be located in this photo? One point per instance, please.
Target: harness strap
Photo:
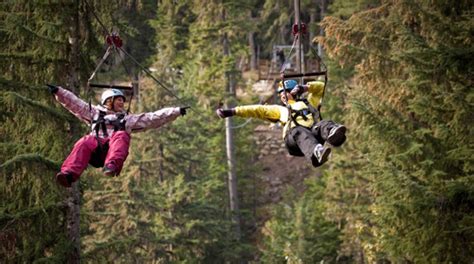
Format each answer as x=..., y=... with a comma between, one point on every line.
x=100, y=124
x=119, y=123
x=106, y=55
x=304, y=112
x=315, y=112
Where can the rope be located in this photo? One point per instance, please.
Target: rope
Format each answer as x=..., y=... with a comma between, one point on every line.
x=97, y=18
x=241, y=125
x=282, y=69
x=325, y=80
x=107, y=53
x=133, y=90
x=155, y=79
x=150, y=74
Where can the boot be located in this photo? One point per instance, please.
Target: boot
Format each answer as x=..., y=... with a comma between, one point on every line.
x=65, y=179
x=321, y=153
x=110, y=170
x=337, y=135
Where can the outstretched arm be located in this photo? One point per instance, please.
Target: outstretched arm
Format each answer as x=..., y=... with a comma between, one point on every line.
x=273, y=113
x=71, y=102
x=140, y=122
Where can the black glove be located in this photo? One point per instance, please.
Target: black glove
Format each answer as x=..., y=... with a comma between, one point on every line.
x=223, y=113
x=52, y=88
x=182, y=110
x=298, y=90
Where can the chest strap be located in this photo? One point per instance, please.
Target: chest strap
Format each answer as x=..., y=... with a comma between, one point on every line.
x=304, y=112
x=101, y=123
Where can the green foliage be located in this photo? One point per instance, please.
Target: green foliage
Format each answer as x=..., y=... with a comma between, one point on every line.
x=410, y=156
x=35, y=134
x=299, y=232
x=345, y=8
x=170, y=203
x=399, y=190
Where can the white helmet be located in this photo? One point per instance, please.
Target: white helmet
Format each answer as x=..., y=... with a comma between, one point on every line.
x=111, y=93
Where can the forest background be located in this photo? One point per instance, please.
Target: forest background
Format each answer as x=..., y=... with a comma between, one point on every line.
x=400, y=190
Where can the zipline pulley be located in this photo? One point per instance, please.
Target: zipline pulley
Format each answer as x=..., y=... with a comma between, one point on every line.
x=114, y=44
x=114, y=40
x=299, y=29
x=296, y=31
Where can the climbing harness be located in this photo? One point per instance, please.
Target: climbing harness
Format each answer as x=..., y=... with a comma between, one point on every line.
x=304, y=112
x=100, y=124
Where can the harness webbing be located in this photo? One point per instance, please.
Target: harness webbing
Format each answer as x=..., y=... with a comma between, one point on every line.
x=304, y=112
x=101, y=123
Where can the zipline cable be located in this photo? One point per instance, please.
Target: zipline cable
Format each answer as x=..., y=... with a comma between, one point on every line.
x=97, y=18
x=147, y=71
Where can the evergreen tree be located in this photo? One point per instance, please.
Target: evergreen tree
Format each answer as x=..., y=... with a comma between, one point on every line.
x=170, y=203
x=408, y=114
x=299, y=231
x=35, y=133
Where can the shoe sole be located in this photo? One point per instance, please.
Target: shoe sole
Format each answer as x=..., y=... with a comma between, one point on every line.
x=110, y=174
x=337, y=137
x=325, y=156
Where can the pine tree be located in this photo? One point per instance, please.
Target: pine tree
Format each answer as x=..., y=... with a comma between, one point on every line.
x=299, y=231
x=408, y=114
x=170, y=202
x=35, y=132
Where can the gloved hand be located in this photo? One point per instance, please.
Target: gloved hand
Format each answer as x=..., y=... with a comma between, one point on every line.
x=223, y=113
x=298, y=90
x=52, y=88
x=182, y=110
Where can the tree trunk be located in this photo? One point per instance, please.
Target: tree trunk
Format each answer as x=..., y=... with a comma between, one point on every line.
x=232, y=177
x=74, y=197
x=252, y=47
x=323, y=8
x=299, y=46
x=72, y=218
x=253, y=51
x=312, y=26
x=74, y=55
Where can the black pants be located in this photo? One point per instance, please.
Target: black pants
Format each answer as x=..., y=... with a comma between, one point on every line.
x=301, y=141
x=98, y=156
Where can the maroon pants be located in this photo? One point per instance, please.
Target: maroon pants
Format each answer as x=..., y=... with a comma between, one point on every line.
x=80, y=155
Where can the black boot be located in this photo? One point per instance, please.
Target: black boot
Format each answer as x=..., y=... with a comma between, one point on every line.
x=337, y=135
x=65, y=179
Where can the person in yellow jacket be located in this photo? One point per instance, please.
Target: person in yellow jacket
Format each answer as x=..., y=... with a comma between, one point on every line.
x=303, y=134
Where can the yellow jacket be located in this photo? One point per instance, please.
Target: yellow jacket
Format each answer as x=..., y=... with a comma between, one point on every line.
x=278, y=113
